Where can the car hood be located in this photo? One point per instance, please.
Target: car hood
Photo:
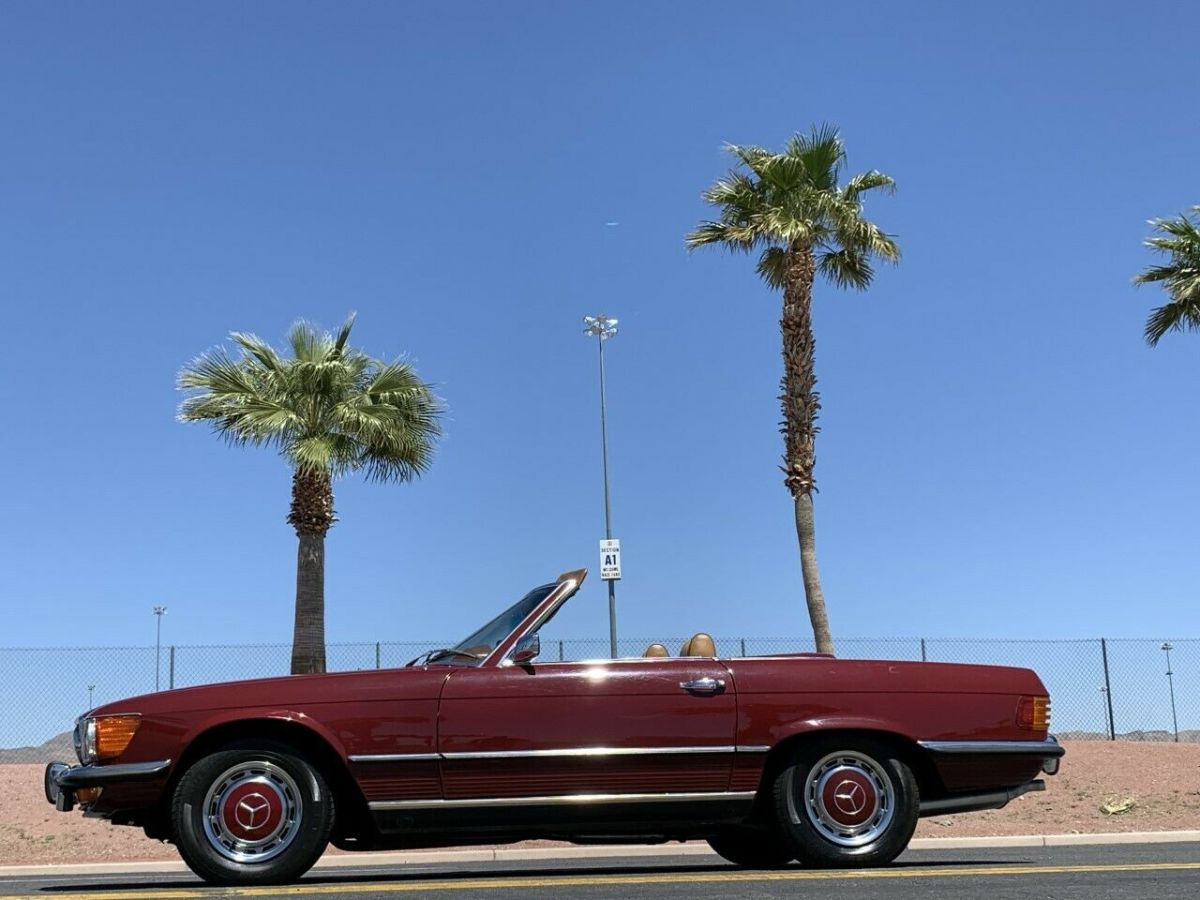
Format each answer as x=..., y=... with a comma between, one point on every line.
x=288, y=691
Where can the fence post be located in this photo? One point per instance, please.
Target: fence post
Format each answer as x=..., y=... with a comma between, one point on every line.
x=923, y=659
x=560, y=651
x=743, y=648
x=171, y=670
x=377, y=655
x=1112, y=726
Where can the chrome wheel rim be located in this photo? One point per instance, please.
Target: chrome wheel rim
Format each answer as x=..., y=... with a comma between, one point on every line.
x=847, y=797
x=252, y=812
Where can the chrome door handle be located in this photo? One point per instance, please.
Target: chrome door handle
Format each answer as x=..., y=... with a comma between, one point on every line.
x=704, y=685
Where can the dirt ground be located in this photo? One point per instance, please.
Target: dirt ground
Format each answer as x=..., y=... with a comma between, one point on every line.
x=1161, y=780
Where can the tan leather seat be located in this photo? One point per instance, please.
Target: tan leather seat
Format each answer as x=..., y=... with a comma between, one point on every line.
x=657, y=650
x=699, y=644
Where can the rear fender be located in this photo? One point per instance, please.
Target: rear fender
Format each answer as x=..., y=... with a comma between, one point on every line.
x=840, y=723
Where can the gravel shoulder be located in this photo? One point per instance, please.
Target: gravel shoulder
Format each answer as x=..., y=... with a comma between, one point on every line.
x=1161, y=780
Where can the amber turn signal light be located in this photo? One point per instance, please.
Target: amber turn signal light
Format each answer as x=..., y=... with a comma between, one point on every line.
x=1033, y=713
x=113, y=734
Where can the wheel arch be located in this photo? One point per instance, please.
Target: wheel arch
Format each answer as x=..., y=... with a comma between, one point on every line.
x=307, y=742
x=929, y=783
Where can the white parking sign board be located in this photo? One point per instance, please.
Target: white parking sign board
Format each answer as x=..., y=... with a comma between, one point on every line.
x=610, y=560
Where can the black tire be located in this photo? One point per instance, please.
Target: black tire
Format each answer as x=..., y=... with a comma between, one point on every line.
x=753, y=848
x=252, y=813
x=846, y=803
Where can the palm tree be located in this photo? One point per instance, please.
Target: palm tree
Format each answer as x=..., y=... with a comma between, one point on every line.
x=790, y=208
x=1180, y=276
x=329, y=410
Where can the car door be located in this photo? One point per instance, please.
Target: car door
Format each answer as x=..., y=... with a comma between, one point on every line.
x=619, y=730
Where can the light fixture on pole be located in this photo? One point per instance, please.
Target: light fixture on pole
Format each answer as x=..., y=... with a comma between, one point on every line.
x=602, y=328
x=1167, y=647
x=159, y=612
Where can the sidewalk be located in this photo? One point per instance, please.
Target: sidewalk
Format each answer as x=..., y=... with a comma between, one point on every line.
x=388, y=859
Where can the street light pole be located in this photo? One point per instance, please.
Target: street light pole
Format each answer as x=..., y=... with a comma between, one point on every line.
x=91, y=694
x=1167, y=648
x=159, y=612
x=603, y=328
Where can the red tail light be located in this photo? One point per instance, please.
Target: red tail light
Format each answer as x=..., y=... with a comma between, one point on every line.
x=1033, y=713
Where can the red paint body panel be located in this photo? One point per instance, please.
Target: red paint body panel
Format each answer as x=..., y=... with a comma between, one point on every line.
x=562, y=706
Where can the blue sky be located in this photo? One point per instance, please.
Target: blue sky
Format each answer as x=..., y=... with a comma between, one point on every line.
x=1001, y=455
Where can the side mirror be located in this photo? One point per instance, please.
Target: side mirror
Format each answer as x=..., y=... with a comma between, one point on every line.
x=527, y=650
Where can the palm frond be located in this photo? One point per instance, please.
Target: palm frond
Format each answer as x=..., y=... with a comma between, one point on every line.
x=867, y=181
x=734, y=238
x=772, y=267
x=847, y=267
x=822, y=154
x=1175, y=316
x=259, y=349
x=750, y=156
x=343, y=335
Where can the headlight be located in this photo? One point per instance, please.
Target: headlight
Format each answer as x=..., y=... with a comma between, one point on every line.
x=85, y=741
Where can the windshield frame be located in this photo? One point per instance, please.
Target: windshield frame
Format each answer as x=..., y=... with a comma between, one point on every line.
x=480, y=636
x=539, y=612
x=565, y=588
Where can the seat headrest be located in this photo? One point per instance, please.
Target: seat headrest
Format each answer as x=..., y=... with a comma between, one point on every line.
x=656, y=650
x=699, y=644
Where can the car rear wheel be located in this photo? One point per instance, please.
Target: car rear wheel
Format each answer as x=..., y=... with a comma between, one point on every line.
x=251, y=814
x=753, y=848
x=846, y=803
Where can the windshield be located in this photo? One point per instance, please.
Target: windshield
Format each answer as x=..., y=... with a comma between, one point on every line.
x=484, y=641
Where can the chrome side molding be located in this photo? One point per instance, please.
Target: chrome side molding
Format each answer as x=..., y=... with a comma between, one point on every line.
x=393, y=757
x=567, y=752
x=563, y=800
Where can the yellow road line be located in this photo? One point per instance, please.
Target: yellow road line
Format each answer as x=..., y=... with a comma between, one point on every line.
x=414, y=884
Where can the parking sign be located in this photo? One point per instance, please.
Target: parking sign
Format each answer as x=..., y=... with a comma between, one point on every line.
x=610, y=560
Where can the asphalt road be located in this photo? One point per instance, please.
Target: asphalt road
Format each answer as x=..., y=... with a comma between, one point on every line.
x=1162, y=871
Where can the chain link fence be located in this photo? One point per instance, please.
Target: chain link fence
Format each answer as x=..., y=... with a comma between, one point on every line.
x=1102, y=689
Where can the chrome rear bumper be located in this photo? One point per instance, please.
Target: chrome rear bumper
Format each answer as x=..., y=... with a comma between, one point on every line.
x=1049, y=750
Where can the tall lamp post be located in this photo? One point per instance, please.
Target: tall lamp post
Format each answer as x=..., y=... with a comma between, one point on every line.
x=1167, y=648
x=159, y=612
x=602, y=328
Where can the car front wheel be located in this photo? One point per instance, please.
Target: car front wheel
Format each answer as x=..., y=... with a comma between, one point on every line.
x=251, y=814
x=846, y=803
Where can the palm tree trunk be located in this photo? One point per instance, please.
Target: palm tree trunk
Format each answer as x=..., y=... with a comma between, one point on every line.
x=800, y=404
x=308, y=638
x=312, y=516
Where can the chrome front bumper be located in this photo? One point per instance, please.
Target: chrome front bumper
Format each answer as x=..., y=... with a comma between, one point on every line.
x=61, y=781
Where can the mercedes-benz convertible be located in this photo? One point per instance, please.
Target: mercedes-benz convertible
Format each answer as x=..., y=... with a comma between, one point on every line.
x=770, y=759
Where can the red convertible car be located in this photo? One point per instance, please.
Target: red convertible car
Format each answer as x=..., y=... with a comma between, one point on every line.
x=770, y=759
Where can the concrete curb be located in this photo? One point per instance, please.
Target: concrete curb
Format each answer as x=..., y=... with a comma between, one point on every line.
x=387, y=859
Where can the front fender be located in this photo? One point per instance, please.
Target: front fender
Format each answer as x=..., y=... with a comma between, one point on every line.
x=249, y=716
